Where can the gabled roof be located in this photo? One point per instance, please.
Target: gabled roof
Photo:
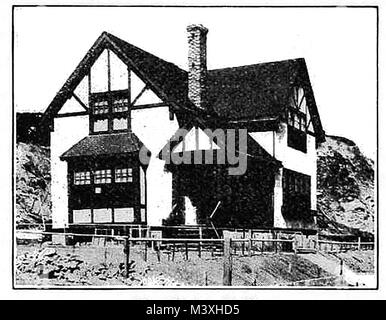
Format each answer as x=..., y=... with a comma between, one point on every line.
x=251, y=91
x=259, y=91
x=234, y=94
x=104, y=144
x=164, y=78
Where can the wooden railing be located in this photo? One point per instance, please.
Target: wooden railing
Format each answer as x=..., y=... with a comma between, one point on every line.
x=227, y=246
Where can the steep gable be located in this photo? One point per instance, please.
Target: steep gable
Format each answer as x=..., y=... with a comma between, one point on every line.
x=165, y=79
x=252, y=92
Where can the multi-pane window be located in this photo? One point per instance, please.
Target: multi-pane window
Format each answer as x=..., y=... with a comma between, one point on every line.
x=120, y=105
x=101, y=107
x=295, y=182
x=102, y=176
x=110, y=111
x=82, y=177
x=297, y=119
x=296, y=196
x=123, y=175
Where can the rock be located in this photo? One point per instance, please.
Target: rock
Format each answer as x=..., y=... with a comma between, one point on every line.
x=345, y=178
x=47, y=252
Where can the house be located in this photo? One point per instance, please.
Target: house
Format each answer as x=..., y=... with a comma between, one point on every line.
x=138, y=140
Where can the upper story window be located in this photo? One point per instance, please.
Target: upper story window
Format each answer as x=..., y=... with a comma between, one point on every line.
x=109, y=111
x=120, y=104
x=102, y=176
x=297, y=120
x=101, y=107
x=101, y=125
x=83, y=177
x=123, y=175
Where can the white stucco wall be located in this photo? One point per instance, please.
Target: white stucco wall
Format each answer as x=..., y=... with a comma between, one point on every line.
x=151, y=125
x=154, y=129
x=278, y=219
x=67, y=132
x=275, y=143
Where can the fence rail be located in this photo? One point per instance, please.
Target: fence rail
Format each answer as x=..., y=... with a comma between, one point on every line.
x=228, y=246
x=337, y=246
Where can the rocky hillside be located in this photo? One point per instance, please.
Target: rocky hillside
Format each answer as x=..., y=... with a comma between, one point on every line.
x=345, y=187
x=33, y=199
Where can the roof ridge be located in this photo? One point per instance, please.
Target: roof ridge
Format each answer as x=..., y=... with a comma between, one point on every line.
x=255, y=65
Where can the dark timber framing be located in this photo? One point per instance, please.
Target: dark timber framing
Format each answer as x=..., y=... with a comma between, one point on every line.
x=111, y=195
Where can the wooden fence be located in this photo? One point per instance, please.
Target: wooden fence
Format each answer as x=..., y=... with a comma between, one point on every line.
x=338, y=246
x=228, y=246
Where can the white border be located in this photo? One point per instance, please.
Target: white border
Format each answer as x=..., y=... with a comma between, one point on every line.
x=6, y=291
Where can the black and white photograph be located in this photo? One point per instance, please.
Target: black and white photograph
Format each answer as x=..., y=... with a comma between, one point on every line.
x=206, y=148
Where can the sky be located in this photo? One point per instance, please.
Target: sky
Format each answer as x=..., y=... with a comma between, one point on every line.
x=338, y=44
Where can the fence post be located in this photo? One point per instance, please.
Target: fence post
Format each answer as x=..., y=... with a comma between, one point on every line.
x=199, y=244
x=317, y=243
x=186, y=250
x=126, y=250
x=250, y=247
x=227, y=275
x=341, y=267
x=359, y=243
x=158, y=252
x=294, y=245
x=145, y=254
x=243, y=243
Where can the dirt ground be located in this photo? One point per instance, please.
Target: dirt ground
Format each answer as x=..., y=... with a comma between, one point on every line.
x=359, y=261
x=90, y=265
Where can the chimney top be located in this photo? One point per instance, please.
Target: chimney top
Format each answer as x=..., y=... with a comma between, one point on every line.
x=199, y=27
x=197, y=65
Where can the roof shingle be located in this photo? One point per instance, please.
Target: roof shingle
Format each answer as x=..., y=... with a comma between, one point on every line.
x=104, y=144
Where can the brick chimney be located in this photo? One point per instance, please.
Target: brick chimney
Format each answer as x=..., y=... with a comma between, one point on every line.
x=197, y=65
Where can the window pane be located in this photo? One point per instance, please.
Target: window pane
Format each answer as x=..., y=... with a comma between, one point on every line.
x=123, y=175
x=302, y=124
x=121, y=105
x=81, y=216
x=143, y=215
x=82, y=177
x=100, y=125
x=123, y=215
x=101, y=107
x=102, y=176
x=120, y=124
x=103, y=215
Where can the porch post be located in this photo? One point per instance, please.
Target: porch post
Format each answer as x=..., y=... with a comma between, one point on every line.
x=278, y=220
